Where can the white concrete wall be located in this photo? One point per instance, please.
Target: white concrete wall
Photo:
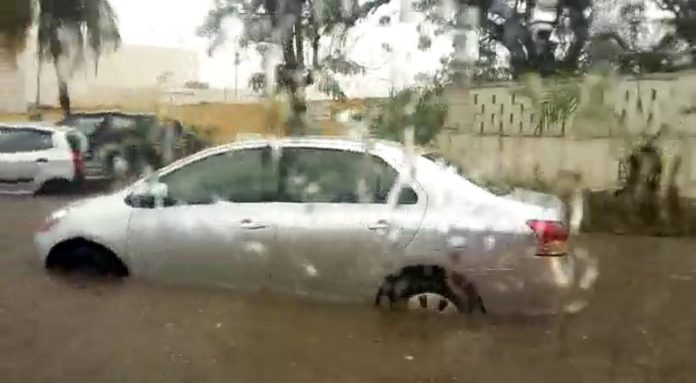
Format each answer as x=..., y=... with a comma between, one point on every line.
x=502, y=109
x=12, y=87
x=522, y=159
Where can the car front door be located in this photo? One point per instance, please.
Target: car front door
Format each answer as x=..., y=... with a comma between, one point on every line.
x=216, y=227
x=337, y=231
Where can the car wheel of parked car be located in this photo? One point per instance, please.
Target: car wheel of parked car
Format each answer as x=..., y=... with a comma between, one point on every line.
x=55, y=186
x=422, y=288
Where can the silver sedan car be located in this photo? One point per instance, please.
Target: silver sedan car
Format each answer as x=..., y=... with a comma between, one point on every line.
x=337, y=219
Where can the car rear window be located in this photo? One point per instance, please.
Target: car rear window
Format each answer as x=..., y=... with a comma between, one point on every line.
x=14, y=140
x=492, y=187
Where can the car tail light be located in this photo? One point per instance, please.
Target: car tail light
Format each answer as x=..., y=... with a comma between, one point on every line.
x=552, y=238
x=78, y=164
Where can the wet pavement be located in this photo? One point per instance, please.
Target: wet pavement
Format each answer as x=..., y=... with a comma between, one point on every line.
x=640, y=326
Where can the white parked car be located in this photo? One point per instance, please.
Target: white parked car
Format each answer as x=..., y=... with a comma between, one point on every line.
x=333, y=218
x=39, y=157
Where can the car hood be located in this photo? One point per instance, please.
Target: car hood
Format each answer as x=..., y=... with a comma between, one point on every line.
x=97, y=200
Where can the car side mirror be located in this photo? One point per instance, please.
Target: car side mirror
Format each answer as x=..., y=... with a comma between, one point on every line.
x=149, y=194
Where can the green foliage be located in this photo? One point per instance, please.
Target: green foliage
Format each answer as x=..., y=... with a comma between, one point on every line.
x=423, y=109
x=90, y=23
x=74, y=24
x=15, y=19
x=683, y=21
x=295, y=25
x=556, y=101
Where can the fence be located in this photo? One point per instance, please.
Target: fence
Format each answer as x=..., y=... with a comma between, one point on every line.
x=637, y=106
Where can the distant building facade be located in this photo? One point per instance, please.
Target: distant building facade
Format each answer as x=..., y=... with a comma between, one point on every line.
x=12, y=84
x=119, y=76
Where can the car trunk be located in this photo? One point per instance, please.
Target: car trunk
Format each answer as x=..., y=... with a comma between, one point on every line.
x=543, y=200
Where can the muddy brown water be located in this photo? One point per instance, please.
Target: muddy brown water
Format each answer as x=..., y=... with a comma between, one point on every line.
x=640, y=326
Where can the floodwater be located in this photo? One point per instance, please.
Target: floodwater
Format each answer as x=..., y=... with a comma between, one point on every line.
x=639, y=327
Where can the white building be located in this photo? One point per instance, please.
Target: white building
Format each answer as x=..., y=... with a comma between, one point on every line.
x=12, y=83
x=131, y=72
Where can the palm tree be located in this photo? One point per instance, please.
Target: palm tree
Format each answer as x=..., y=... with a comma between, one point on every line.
x=15, y=19
x=66, y=28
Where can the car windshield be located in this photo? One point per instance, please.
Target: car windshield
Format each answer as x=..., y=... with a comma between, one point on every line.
x=496, y=188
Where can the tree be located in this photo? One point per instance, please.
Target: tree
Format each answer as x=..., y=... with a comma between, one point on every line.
x=294, y=27
x=15, y=19
x=622, y=38
x=555, y=101
x=528, y=39
x=66, y=28
x=422, y=109
x=684, y=18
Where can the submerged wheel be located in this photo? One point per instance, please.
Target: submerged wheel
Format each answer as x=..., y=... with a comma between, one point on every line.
x=425, y=289
x=431, y=302
x=85, y=257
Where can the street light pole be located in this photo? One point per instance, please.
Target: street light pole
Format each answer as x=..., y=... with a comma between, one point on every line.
x=236, y=75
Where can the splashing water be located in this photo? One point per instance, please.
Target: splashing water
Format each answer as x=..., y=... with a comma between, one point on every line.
x=310, y=270
x=255, y=248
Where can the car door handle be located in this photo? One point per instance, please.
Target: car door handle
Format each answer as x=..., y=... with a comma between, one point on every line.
x=382, y=224
x=42, y=160
x=248, y=224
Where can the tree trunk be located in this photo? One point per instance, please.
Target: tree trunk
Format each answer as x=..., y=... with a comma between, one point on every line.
x=39, y=67
x=296, y=81
x=315, y=52
x=64, y=96
x=63, y=91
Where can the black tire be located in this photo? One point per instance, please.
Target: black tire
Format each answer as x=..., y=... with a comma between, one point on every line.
x=55, y=186
x=86, y=258
x=416, y=281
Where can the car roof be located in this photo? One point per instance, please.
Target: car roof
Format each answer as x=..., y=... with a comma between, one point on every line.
x=329, y=142
x=389, y=148
x=104, y=113
x=36, y=125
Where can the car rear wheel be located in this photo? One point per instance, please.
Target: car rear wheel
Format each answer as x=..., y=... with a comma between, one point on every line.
x=424, y=289
x=431, y=302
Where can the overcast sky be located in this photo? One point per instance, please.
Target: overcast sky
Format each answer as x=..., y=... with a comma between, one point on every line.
x=171, y=23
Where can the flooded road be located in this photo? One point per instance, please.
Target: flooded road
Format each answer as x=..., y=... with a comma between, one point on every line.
x=640, y=326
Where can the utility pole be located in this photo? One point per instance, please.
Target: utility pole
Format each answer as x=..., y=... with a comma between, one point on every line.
x=236, y=75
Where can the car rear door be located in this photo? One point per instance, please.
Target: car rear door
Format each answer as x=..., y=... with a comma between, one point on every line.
x=337, y=231
x=22, y=155
x=220, y=231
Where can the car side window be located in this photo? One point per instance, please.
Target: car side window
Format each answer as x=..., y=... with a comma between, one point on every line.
x=14, y=140
x=243, y=176
x=313, y=175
